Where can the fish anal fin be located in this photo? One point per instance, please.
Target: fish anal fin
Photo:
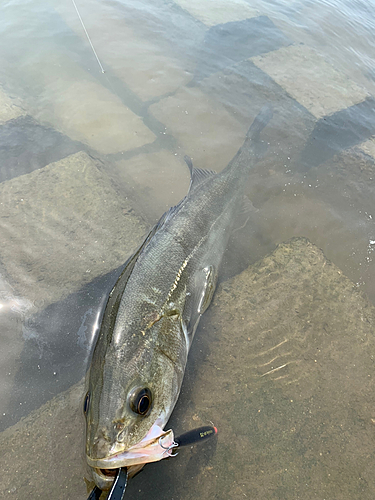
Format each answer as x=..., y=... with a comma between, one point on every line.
x=247, y=206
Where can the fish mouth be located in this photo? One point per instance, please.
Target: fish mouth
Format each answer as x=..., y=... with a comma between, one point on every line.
x=103, y=478
x=156, y=445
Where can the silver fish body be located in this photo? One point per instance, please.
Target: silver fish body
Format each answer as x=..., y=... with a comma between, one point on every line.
x=151, y=316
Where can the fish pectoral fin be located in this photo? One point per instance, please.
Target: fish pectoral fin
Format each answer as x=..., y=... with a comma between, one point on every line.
x=200, y=303
x=187, y=332
x=208, y=288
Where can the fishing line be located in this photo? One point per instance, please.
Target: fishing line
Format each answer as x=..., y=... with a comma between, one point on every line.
x=88, y=38
x=94, y=51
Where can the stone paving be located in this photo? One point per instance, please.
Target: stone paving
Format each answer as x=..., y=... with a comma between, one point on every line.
x=203, y=127
x=218, y=12
x=161, y=175
x=141, y=58
x=60, y=223
x=307, y=77
x=10, y=108
x=368, y=147
x=86, y=111
x=27, y=145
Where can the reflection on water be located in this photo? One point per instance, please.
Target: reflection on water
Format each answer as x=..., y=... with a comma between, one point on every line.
x=90, y=160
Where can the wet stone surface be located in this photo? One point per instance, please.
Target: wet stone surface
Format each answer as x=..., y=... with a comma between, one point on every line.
x=143, y=54
x=10, y=107
x=156, y=181
x=59, y=225
x=214, y=141
x=213, y=12
x=335, y=199
x=342, y=130
x=26, y=145
x=229, y=43
x=312, y=81
x=282, y=365
x=288, y=382
x=43, y=454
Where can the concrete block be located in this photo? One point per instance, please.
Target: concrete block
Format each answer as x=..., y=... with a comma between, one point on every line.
x=137, y=60
x=12, y=311
x=332, y=205
x=63, y=225
x=226, y=45
x=212, y=12
x=158, y=180
x=43, y=453
x=368, y=147
x=88, y=112
x=206, y=131
x=284, y=370
x=26, y=145
x=311, y=80
x=243, y=90
x=10, y=107
x=339, y=132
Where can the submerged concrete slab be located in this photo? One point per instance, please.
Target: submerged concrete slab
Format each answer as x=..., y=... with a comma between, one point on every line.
x=311, y=80
x=203, y=127
x=137, y=60
x=88, y=112
x=10, y=107
x=225, y=45
x=335, y=198
x=341, y=131
x=63, y=225
x=158, y=180
x=288, y=380
x=243, y=90
x=368, y=147
x=282, y=366
x=212, y=12
x=42, y=455
x=26, y=145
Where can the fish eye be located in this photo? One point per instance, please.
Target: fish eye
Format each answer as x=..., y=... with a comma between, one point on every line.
x=140, y=400
x=86, y=403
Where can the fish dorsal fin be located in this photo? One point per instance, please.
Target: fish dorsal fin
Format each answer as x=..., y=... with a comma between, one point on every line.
x=197, y=175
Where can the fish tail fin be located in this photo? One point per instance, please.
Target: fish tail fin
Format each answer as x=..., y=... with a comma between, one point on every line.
x=249, y=151
x=260, y=121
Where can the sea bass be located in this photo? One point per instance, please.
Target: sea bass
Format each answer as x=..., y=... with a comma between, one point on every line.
x=151, y=316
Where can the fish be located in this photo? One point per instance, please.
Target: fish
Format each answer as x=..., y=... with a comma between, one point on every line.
x=152, y=314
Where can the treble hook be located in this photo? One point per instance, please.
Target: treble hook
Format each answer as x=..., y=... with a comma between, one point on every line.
x=168, y=449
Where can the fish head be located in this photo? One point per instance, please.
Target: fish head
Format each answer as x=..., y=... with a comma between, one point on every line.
x=133, y=386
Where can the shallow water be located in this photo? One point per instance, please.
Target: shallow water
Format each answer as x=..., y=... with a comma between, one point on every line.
x=182, y=77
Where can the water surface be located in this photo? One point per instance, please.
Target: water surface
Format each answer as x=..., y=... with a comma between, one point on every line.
x=90, y=160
